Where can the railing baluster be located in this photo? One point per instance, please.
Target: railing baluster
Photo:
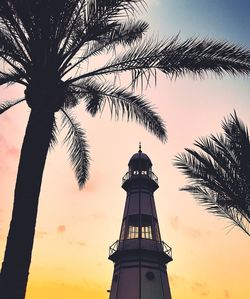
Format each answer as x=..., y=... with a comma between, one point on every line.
x=150, y=175
x=167, y=249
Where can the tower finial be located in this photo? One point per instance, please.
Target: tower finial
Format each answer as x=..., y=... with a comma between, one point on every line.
x=140, y=147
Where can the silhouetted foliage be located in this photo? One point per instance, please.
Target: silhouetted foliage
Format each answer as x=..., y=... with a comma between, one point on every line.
x=47, y=45
x=219, y=174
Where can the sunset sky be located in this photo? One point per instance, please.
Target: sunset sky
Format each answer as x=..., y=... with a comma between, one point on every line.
x=75, y=228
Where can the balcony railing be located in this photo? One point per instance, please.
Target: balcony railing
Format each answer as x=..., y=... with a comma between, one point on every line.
x=140, y=174
x=167, y=249
x=114, y=247
x=161, y=246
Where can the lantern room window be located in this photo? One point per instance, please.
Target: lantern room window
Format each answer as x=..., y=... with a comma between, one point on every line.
x=133, y=232
x=146, y=232
x=133, y=227
x=140, y=226
x=146, y=227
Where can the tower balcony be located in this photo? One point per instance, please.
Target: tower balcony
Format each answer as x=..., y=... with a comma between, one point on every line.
x=121, y=246
x=136, y=174
x=133, y=178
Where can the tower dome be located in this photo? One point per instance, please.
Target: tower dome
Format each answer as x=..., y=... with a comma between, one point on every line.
x=140, y=172
x=140, y=156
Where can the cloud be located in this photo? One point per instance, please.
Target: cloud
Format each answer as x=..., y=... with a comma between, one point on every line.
x=61, y=229
x=190, y=232
x=200, y=288
x=81, y=243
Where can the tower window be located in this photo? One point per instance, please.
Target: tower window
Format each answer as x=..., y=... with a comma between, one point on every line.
x=146, y=227
x=133, y=227
x=139, y=226
x=146, y=232
x=133, y=232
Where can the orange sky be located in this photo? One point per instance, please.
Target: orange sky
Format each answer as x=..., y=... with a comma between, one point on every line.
x=75, y=228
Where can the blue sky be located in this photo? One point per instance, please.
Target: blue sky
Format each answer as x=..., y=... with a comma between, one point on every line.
x=222, y=19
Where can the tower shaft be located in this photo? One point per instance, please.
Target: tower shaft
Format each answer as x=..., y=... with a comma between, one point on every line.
x=140, y=256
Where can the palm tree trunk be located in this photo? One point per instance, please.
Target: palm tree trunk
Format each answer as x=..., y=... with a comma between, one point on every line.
x=15, y=267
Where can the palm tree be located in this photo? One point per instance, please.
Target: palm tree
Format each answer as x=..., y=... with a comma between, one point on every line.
x=219, y=174
x=46, y=46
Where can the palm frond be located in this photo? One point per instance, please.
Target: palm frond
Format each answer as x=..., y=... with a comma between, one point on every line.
x=122, y=103
x=79, y=40
x=198, y=57
x=204, y=174
x=104, y=10
x=94, y=20
x=176, y=59
x=9, y=104
x=236, y=134
x=53, y=137
x=218, y=157
x=120, y=34
x=221, y=143
x=11, y=78
x=8, y=47
x=124, y=33
x=209, y=200
x=140, y=60
x=219, y=176
x=11, y=22
x=77, y=147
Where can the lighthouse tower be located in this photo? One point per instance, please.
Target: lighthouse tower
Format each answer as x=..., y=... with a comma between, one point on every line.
x=140, y=256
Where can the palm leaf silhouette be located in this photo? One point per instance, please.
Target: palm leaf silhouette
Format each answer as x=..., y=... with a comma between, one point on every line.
x=219, y=174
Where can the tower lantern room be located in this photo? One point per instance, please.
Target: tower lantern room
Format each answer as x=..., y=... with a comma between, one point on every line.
x=140, y=256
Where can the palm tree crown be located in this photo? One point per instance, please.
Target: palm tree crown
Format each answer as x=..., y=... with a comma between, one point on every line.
x=219, y=174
